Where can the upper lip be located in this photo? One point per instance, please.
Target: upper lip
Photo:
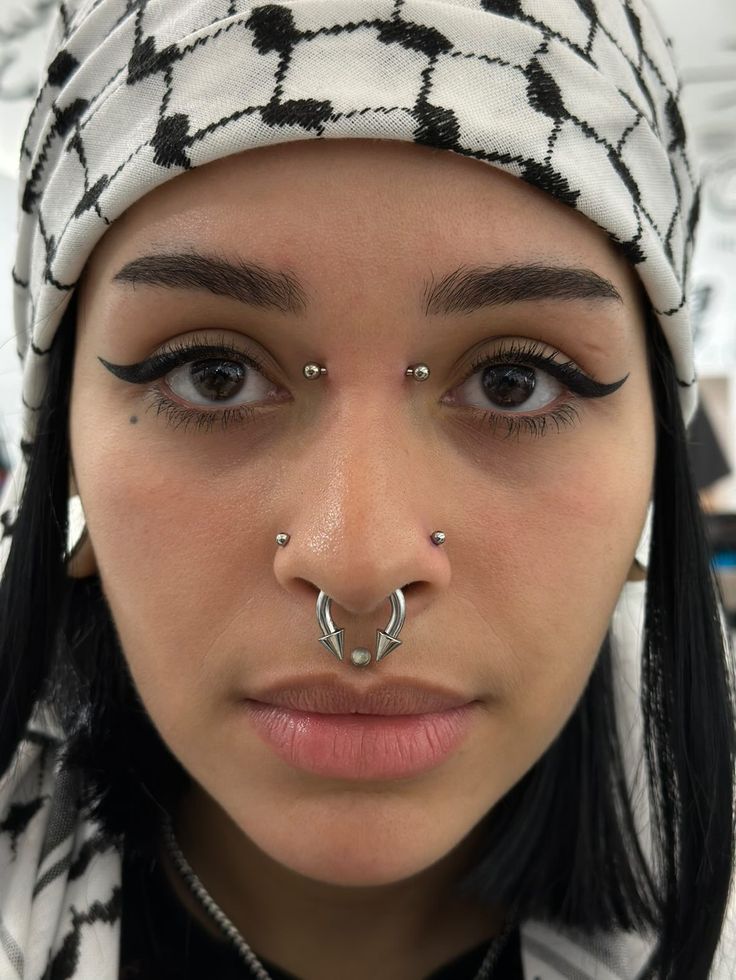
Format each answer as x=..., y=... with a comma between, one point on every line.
x=333, y=697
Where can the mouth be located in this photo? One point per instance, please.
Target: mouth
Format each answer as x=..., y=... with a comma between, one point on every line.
x=329, y=696
x=390, y=731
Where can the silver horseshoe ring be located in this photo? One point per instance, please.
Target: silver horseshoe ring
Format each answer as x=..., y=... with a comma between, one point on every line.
x=386, y=640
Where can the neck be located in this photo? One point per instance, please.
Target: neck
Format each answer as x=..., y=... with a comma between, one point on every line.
x=406, y=929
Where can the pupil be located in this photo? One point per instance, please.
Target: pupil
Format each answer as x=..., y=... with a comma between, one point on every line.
x=509, y=385
x=217, y=380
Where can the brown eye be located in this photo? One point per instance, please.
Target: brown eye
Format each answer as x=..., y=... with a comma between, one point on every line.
x=510, y=389
x=509, y=385
x=217, y=380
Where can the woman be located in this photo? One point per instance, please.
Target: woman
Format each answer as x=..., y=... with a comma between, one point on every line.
x=308, y=389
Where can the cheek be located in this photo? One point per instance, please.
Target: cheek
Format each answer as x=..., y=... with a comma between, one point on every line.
x=181, y=554
x=552, y=557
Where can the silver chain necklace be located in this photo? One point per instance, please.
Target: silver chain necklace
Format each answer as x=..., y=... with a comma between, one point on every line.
x=245, y=952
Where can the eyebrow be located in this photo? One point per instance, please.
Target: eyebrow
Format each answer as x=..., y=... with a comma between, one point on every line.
x=465, y=290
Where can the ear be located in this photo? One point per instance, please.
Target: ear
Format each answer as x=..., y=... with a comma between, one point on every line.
x=81, y=560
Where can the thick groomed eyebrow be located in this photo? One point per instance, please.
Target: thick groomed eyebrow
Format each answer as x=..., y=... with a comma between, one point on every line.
x=465, y=290
x=244, y=281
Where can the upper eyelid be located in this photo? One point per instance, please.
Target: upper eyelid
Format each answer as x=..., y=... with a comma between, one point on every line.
x=161, y=362
x=567, y=372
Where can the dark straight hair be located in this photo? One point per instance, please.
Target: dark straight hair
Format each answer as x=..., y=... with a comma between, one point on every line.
x=561, y=845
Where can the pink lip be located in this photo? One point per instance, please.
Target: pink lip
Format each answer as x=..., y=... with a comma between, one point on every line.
x=389, y=731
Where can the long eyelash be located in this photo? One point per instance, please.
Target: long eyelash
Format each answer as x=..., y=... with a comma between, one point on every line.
x=202, y=421
x=174, y=355
x=181, y=352
x=532, y=425
x=532, y=353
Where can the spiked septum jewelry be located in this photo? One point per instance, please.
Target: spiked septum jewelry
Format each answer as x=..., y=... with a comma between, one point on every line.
x=386, y=640
x=332, y=637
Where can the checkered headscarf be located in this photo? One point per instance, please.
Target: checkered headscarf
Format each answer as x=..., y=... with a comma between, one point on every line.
x=577, y=97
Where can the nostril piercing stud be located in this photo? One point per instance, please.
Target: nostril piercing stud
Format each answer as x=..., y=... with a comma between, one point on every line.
x=420, y=372
x=438, y=537
x=282, y=539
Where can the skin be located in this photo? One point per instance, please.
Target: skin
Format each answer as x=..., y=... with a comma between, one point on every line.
x=510, y=611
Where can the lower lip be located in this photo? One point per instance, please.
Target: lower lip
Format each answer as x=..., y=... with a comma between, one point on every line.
x=358, y=746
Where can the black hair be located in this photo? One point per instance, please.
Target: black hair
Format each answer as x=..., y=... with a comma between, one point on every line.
x=561, y=845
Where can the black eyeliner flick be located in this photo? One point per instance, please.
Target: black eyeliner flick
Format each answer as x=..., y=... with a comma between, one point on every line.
x=158, y=365
x=573, y=378
x=581, y=384
x=148, y=370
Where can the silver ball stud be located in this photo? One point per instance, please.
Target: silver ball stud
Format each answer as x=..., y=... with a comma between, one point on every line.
x=282, y=539
x=438, y=537
x=361, y=657
x=420, y=372
x=312, y=371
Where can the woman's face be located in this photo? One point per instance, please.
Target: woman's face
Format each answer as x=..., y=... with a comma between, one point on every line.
x=539, y=479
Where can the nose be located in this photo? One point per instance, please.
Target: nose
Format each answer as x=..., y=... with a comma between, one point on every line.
x=362, y=521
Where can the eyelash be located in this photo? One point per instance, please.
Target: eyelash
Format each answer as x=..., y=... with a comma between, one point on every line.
x=525, y=353
x=182, y=352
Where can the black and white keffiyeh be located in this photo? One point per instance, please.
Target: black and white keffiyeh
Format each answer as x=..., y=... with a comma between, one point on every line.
x=578, y=97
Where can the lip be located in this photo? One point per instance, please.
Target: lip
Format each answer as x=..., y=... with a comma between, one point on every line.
x=330, y=696
x=390, y=730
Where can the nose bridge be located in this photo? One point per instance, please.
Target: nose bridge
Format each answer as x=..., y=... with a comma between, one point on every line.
x=364, y=483
x=361, y=515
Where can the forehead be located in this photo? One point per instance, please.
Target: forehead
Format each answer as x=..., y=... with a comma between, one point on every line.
x=337, y=208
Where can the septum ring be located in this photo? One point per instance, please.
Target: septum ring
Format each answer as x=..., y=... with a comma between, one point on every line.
x=386, y=640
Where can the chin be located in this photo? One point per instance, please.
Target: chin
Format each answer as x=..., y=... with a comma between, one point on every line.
x=356, y=839
x=360, y=864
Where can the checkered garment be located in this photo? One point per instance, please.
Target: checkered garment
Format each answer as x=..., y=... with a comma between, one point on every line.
x=578, y=97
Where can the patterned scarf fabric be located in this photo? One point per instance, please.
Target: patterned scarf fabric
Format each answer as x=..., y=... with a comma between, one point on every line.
x=577, y=97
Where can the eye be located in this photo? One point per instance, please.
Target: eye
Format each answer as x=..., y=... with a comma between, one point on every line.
x=217, y=381
x=523, y=387
x=508, y=388
x=199, y=374
x=513, y=388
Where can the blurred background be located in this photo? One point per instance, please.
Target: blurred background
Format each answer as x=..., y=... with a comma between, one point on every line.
x=704, y=39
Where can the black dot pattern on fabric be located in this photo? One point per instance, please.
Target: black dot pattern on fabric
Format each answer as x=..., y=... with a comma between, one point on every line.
x=273, y=29
x=544, y=93
x=61, y=68
x=506, y=7
x=170, y=140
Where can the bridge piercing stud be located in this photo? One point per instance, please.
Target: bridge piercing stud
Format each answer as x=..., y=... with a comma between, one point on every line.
x=420, y=372
x=312, y=371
